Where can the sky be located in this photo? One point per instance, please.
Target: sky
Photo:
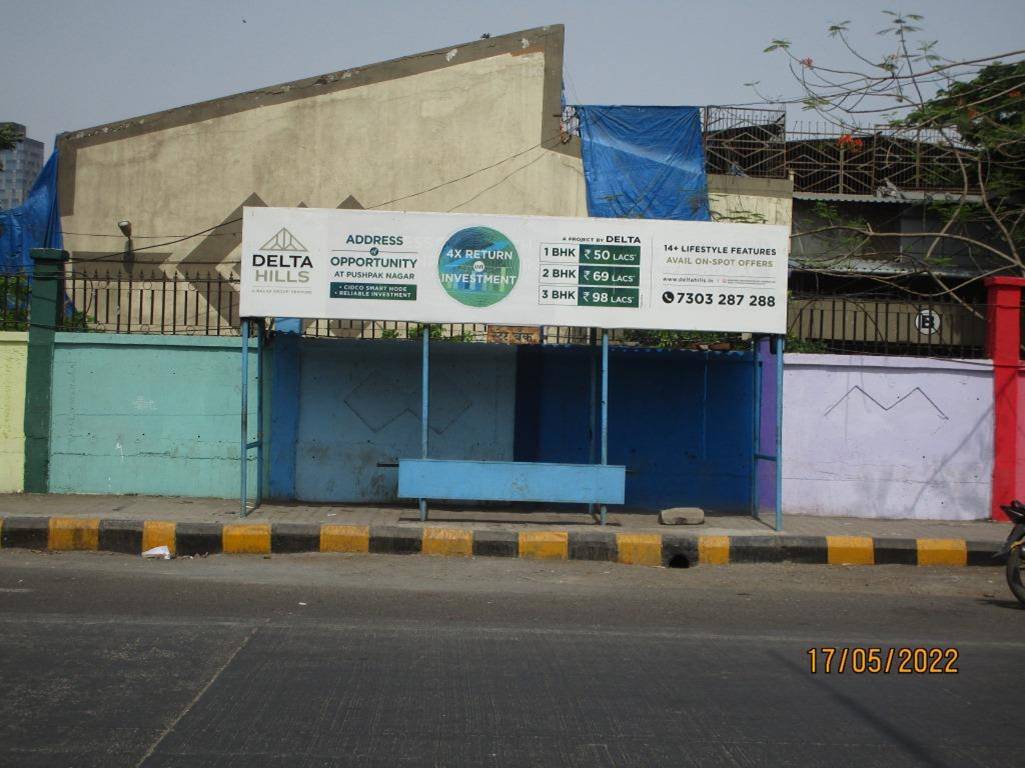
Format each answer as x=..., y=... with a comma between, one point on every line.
x=71, y=65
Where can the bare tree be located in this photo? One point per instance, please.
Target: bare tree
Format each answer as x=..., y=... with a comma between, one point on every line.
x=970, y=113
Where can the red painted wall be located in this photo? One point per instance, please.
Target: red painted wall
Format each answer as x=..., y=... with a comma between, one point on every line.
x=1003, y=345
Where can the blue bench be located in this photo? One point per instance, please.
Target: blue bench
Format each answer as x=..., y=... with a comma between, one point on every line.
x=511, y=481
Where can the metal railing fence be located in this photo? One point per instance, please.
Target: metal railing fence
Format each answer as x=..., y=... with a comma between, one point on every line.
x=208, y=306
x=886, y=326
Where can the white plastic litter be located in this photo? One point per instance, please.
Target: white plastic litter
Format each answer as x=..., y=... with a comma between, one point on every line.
x=160, y=553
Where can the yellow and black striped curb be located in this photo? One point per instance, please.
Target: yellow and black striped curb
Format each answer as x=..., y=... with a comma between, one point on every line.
x=672, y=550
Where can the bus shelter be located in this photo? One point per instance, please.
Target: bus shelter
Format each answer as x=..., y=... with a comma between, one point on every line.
x=458, y=268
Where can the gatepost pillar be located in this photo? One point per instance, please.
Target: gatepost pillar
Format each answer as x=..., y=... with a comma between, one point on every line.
x=44, y=314
x=1003, y=345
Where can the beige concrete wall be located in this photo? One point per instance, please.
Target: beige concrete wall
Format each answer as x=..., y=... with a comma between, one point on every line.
x=13, y=356
x=463, y=137
x=750, y=200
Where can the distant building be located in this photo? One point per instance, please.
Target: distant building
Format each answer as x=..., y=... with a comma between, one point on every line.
x=20, y=166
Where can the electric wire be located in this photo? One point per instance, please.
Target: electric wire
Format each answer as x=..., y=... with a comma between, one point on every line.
x=113, y=255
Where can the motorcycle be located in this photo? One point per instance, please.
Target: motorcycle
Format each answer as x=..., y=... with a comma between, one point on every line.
x=1012, y=549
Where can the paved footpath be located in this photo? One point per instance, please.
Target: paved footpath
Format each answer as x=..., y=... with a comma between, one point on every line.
x=132, y=524
x=335, y=660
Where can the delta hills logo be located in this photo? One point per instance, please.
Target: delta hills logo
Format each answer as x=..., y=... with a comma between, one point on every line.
x=284, y=240
x=286, y=260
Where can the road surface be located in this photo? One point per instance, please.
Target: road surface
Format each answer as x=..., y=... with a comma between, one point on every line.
x=320, y=660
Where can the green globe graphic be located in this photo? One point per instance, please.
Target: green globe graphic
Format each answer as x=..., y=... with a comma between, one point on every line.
x=478, y=266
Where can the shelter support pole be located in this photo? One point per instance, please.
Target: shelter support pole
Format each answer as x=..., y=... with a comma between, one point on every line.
x=425, y=405
x=261, y=326
x=243, y=452
x=756, y=425
x=592, y=366
x=780, y=345
x=604, y=408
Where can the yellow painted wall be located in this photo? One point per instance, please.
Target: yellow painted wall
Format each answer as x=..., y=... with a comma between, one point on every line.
x=13, y=354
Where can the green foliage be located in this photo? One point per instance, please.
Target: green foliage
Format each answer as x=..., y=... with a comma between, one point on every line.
x=14, y=300
x=15, y=297
x=988, y=113
x=416, y=331
x=806, y=346
x=684, y=339
x=465, y=336
x=8, y=138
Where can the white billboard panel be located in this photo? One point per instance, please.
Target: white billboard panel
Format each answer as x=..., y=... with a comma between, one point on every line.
x=513, y=270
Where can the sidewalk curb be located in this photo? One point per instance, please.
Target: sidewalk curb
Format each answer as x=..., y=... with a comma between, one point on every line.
x=652, y=549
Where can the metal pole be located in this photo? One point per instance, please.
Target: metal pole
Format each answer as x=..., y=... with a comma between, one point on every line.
x=245, y=411
x=260, y=327
x=780, y=344
x=592, y=365
x=425, y=405
x=604, y=408
x=756, y=437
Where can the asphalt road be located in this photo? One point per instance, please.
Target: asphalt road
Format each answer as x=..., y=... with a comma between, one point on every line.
x=108, y=660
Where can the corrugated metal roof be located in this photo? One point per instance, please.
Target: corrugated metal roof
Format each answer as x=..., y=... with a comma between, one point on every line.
x=855, y=265
x=900, y=197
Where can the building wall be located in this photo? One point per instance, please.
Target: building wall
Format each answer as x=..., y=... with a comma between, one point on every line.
x=13, y=354
x=471, y=128
x=152, y=415
x=887, y=437
x=748, y=200
x=863, y=436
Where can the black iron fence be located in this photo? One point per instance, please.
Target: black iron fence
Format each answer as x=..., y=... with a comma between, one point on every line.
x=208, y=306
x=196, y=305
x=886, y=326
x=745, y=142
x=824, y=158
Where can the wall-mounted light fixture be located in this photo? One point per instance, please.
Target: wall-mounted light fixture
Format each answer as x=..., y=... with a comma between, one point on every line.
x=126, y=229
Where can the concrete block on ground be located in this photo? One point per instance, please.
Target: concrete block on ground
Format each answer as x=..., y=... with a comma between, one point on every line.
x=682, y=516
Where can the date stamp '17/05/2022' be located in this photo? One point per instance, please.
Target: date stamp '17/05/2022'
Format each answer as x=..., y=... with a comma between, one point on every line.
x=877, y=660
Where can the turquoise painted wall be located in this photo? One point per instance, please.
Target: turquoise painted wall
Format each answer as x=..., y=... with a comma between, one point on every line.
x=149, y=415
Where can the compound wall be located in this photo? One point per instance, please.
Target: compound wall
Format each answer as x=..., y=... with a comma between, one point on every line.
x=13, y=353
x=152, y=415
x=891, y=437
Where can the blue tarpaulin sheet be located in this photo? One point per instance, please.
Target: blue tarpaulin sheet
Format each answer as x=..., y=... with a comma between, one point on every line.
x=33, y=224
x=644, y=162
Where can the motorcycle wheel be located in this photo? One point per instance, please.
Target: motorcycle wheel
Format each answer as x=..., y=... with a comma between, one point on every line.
x=1016, y=573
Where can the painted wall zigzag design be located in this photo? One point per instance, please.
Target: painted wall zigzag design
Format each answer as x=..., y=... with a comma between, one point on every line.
x=857, y=388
